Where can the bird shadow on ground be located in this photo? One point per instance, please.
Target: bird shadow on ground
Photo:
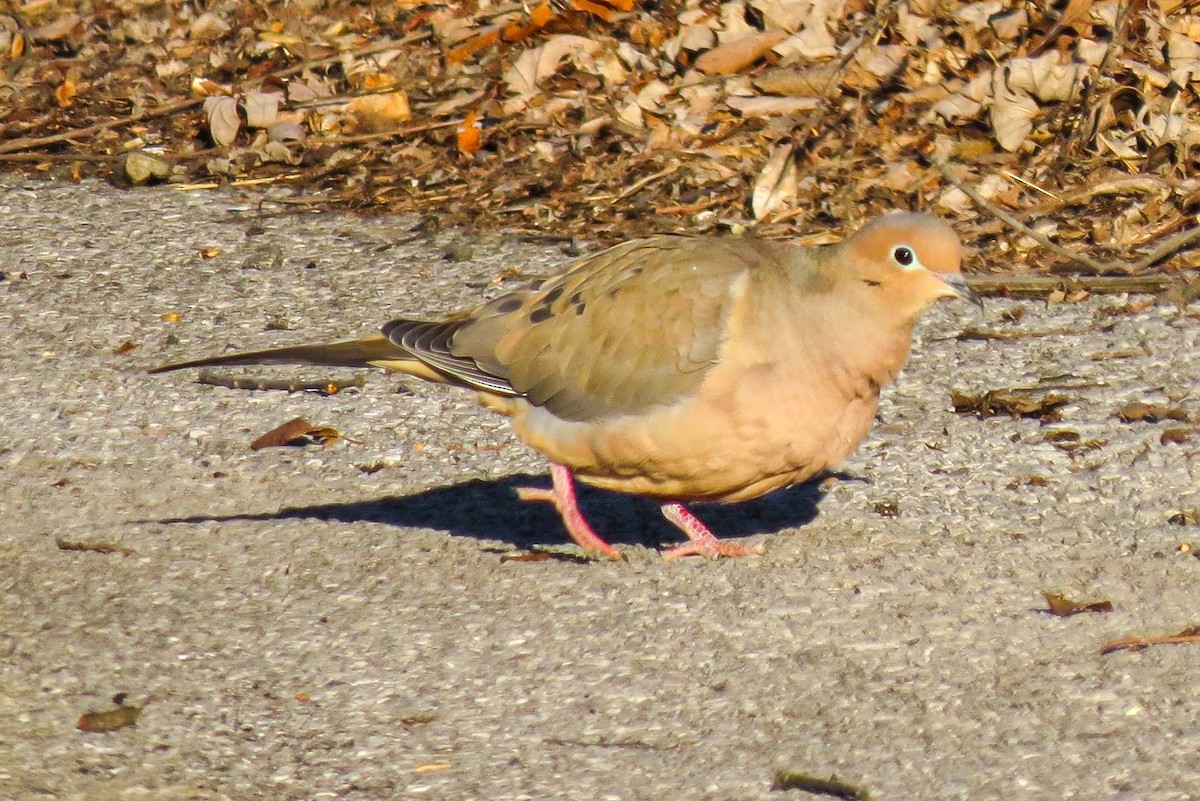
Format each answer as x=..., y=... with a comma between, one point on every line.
x=491, y=510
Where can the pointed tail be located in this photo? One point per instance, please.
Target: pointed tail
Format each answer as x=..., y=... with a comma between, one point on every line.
x=373, y=351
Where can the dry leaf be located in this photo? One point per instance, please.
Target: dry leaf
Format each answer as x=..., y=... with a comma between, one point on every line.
x=297, y=431
x=1011, y=113
x=1176, y=436
x=776, y=184
x=1137, y=411
x=735, y=56
x=810, y=82
x=1044, y=78
x=64, y=95
x=382, y=112
x=819, y=785
x=223, y=121
x=528, y=556
x=109, y=719
x=534, y=66
x=767, y=106
x=262, y=108
x=1013, y=402
x=1061, y=606
x=469, y=135
x=208, y=27
x=285, y=131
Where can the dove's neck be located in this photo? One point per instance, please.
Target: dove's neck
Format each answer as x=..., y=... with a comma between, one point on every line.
x=864, y=352
x=866, y=346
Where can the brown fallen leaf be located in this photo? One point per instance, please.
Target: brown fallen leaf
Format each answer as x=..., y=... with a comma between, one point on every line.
x=92, y=547
x=296, y=432
x=972, y=333
x=528, y=556
x=1137, y=411
x=806, y=782
x=66, y=92
x=1184, y=517
x=380, y=113
x=109, y=719
x=1132, y=307
x=1061, y=606
x=1189, y=635
x=1176, y=436
x=469, y=135
x=602, y=10
x=1013, y=402
x=735, y=56
x=1123, y=353
x=125, y=348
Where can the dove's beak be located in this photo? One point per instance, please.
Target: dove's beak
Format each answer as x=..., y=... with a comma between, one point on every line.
x=959, y=286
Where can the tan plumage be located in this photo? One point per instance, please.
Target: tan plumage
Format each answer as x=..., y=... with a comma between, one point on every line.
x=683, y=368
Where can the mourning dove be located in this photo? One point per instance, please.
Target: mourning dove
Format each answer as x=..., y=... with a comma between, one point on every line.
x=682, y=368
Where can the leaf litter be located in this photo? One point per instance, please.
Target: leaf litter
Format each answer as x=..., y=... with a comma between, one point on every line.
x=1055, y=140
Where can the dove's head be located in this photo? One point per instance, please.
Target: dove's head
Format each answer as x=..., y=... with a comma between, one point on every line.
x=904, y=262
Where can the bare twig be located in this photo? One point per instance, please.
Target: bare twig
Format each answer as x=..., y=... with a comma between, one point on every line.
x=1172, y=246
x=637, y=185
x=57, y=158
x=78, y=133
x=1017, y=225
x=1188, y=635
x=1181, y=241
x=1039, y=286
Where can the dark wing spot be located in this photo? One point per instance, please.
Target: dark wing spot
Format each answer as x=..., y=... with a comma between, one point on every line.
x=508, y=305
x=552, y=295
x=540, y=314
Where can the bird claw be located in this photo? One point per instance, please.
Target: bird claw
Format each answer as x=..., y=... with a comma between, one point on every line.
x=701, y=541
x=712, y=549
x=563, y=498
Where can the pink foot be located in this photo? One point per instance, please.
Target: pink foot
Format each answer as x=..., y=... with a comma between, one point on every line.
x=701, y=540
x=563, y=498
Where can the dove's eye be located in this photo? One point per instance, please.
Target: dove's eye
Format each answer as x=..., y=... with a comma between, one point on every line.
x=903, y=256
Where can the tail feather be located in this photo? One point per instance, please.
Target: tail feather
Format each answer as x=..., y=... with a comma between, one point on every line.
x=374, y=351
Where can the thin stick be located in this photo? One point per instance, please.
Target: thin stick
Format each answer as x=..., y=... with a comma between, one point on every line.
x=1015, y=224
x=1175, y=244
x=1038, y=286
x=158, y=111
x=637, y=185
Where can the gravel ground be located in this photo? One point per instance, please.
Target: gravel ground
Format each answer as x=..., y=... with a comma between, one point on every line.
x=306, y=623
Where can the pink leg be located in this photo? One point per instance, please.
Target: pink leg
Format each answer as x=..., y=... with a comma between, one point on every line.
x=563, y=498
x=701, y=540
